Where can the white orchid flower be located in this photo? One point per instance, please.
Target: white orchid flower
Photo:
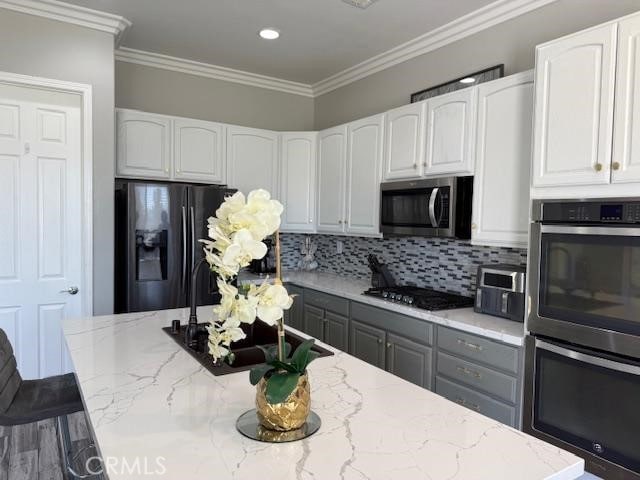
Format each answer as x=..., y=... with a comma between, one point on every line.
x=272, y=300
x=243, y=249
x=216, y=263
x=215, y=339
x=232, y=204
x=231, y=335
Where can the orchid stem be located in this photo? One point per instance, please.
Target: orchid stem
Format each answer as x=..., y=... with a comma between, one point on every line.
x=278, y=281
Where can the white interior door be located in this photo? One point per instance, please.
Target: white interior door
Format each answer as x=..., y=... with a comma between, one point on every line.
x=41, y=243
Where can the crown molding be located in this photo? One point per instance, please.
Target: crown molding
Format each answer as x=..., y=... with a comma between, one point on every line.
x=476, y=21
x=191, y=67
x=66, y=12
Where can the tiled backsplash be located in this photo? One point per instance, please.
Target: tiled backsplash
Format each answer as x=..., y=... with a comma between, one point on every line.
x=443, y=264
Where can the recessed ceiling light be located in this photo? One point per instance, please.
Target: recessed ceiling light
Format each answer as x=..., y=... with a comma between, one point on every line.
x=269, y=33
x=468, y=80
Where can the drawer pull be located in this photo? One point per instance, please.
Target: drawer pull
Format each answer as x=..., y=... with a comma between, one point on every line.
x=470, y=345
x=466, y=371
x=470, y=405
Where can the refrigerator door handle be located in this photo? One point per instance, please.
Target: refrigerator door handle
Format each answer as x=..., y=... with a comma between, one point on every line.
x=193, y=238
x=184, y=248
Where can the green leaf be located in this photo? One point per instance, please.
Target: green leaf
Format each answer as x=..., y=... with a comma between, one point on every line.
x=259, y=371
x=300, y=357
x=271, y=351
x=280, y=386
x=284, y=366
x=312, y=356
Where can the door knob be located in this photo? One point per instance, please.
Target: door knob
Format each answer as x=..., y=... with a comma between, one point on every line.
x=616, y=165
x=598, y=167
x=70, y=290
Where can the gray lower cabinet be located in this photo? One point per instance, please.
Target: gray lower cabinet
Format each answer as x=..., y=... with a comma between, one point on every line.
x=375, y=339
x=324, y=318
x=409, y=360
x=314, y=322
x=294, y=317
x=476, y=401
x=368, y=343
x=336, y=331
x=481, y=374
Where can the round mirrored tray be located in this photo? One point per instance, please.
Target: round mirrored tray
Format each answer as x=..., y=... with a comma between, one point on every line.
x=249, y=426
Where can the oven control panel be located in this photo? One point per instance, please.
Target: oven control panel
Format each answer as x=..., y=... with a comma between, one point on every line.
x=591, y=212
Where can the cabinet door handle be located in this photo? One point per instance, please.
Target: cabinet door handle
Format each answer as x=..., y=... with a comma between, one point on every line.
x=379, y=341
x=388, y=344
x=468, y=372
x=464, y=403
x=415, y=165
x=598, y=167
x=472, y=346
x=616, y=165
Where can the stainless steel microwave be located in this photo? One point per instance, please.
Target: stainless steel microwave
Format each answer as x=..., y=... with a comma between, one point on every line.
x=435, y=207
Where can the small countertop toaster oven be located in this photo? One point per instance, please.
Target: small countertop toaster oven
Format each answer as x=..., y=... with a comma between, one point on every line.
x=500, y=291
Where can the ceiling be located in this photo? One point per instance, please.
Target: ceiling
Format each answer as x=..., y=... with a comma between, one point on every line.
x=319, y=38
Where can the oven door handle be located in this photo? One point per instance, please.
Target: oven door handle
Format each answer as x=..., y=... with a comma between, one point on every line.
x=590, y=359
x=435, y=223
x=582, y=230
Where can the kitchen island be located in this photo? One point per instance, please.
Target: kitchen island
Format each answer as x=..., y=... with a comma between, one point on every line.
x=150, y=404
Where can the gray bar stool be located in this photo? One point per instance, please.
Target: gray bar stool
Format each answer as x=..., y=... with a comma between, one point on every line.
x=27, y=401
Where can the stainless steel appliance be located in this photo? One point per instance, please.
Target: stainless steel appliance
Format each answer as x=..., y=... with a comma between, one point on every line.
x=435, y=207
x=157, y=229
x=582, y=377
x=500, y=291
x=267, y=264
x=424, y=298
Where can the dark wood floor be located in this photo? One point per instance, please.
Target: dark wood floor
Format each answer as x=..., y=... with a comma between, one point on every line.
x=32, y=451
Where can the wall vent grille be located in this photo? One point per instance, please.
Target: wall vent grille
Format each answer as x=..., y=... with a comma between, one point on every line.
x=360, y=3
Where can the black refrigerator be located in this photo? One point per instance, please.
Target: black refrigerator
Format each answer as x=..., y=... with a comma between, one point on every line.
x=158, y=225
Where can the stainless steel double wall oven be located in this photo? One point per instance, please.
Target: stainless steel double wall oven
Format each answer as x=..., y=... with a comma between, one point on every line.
x=582, y=385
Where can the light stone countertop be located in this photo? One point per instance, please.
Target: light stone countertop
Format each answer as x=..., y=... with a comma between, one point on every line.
x=146, y=398
x=464, y=319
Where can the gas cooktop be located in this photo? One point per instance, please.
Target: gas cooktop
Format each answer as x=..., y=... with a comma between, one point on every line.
x=424, y=298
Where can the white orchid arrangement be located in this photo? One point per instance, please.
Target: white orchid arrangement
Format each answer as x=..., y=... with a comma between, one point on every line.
x=236, y=237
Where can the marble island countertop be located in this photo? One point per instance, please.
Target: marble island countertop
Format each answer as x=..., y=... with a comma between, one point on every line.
x=147, y=400
x=464, y=319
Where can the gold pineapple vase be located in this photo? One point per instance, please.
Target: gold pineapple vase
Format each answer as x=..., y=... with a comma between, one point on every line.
x=288, y=415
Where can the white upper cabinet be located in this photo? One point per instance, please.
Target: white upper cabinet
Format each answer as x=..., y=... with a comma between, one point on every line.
x=404, y=142
x=503, y=162
x=626, y=146
x=450, y=124
x=298, y=180
x=252, y=159
x=198, y=151
x=364, y=172
x=574, y=109
x=143, y=145
x=332, y=146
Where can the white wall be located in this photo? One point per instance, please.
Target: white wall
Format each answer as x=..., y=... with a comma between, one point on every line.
x=45, y=48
